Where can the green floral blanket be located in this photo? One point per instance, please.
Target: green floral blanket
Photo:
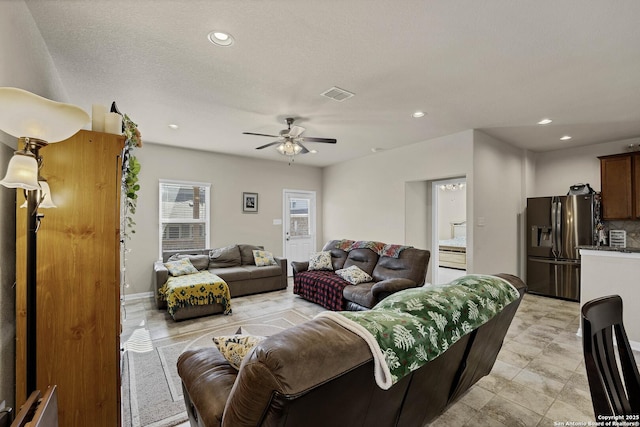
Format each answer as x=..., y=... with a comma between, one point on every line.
x=411, y=327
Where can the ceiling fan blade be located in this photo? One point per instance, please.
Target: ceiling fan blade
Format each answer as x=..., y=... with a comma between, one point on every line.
x=261, y=134
x=312, y=139
x=304, y=149
x=296, y=131
x=268, y=145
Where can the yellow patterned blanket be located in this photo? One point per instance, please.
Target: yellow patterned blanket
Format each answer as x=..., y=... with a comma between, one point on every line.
x=202, y=288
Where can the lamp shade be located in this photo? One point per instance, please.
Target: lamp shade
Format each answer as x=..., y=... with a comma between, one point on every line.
x=24, y=114
x=22, y=172
x=47, y=202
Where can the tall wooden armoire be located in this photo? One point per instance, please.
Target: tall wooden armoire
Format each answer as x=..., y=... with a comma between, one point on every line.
x=78, y=281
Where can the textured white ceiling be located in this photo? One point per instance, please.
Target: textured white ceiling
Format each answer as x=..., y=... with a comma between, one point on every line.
x=495, y=65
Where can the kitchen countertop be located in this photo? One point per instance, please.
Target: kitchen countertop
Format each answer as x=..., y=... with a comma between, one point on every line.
x=610, y=249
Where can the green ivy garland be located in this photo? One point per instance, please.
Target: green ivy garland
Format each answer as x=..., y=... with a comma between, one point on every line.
x=130, y=171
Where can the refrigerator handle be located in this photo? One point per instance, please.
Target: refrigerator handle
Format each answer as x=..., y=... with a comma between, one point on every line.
x=558, y=221
x=554, y=227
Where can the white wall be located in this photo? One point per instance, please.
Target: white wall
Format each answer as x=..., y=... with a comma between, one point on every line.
x=25, y=64
x=556, y=170
x=7, y=279
x=364, y=199
x=229, y=176
x=497, y=204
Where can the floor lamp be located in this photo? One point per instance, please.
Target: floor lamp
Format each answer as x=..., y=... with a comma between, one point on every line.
x=36, y=122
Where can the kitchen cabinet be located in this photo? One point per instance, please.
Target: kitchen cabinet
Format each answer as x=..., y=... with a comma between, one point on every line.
x=78, y=281
x=620, y=186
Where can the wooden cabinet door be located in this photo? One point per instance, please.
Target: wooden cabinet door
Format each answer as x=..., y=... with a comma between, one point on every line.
x=77, y=281
x=616, y=183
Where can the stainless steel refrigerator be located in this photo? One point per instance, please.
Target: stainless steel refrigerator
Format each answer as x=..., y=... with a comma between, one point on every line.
x=556, y=226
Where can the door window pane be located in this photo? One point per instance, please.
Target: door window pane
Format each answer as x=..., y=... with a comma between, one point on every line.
x=299, y=217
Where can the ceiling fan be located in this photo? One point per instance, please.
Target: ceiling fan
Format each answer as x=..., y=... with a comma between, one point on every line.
x=290, y=141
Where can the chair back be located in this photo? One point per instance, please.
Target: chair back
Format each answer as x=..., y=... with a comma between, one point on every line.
x=601, y=321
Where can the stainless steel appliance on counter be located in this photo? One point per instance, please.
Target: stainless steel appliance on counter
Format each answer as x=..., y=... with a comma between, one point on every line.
x=556, y=226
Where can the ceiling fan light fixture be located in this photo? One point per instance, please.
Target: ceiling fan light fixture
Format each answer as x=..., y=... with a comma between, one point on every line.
x=289, y=148
x=220, y=38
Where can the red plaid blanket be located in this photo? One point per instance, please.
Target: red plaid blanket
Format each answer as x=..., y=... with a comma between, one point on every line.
x=321, y=287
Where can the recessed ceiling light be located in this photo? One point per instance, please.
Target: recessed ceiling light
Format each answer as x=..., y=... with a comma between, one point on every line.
x=417, y=114
x=313, y=151
x=565, y=138
x=220, y=38
x=545, y=121
x=173, y=126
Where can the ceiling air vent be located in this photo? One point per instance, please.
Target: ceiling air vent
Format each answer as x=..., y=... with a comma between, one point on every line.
x=337, y=94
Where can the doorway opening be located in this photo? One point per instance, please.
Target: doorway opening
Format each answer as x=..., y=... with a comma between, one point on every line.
x=449, y=229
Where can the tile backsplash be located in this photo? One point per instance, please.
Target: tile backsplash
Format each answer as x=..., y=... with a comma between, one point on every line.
x=631, y=227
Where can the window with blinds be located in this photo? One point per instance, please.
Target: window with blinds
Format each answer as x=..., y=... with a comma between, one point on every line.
x=184, y=215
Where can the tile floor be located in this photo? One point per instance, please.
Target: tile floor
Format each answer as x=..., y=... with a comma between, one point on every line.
x=538, y=379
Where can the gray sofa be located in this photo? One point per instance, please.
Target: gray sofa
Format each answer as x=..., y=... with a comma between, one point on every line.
x=234, y=264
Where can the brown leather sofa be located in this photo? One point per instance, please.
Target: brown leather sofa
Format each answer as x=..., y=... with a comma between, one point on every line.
x=238, y=270
x=320, y=374
x=389, y=275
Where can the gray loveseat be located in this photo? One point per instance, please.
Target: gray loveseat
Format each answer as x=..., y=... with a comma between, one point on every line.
x=234, y=264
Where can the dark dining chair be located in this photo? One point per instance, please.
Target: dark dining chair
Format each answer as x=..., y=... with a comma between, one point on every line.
x=601, y=321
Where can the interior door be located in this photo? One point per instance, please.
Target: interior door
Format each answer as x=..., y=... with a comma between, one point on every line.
x=299, y=225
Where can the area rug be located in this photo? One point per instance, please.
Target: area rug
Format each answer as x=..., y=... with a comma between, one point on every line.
x=152, y=392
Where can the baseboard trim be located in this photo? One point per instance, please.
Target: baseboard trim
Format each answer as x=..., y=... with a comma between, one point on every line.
x=141, y=295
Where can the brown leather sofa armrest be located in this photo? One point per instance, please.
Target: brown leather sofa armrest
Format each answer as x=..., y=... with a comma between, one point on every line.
x=160, y=276
x=291, y=363
x=207, y=380
x=384, y=288
x=282, y=262
x=299, y=266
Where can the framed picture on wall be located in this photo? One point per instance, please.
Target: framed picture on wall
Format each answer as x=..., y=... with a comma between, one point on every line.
x=249, y=202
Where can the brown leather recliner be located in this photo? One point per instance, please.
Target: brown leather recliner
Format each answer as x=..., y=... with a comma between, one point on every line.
x=320, y=374
x=389, y=275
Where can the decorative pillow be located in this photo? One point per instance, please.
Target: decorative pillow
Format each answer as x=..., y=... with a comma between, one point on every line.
x=229, y=256
x=235, y=347
x=320, y=261
x=246, y=253
x=180, y=267
x=200, y=262
x=354, y=275
x=263, y=258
